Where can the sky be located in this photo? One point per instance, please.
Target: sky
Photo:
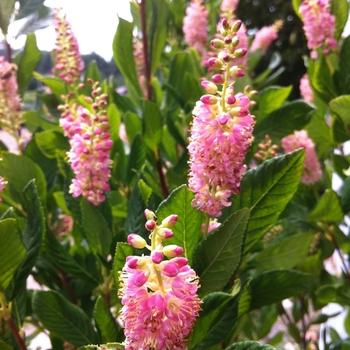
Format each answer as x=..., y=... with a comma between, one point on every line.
x=94, y=23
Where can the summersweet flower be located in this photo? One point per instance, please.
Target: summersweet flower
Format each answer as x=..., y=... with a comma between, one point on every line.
x=68, y=61
x=229, y=5
x=158, y=292
x=305, y=89
x=319, y=26
x=87, y=131
x=265, y=36
x=195, y=26
x=221, y=131
x=312, y=172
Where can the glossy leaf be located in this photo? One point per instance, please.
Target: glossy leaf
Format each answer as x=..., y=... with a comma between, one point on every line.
x=152, y=118
x=105, y=321
x=63, y=318
x=187, y=230
x=97, y=232
x=217, y=256
x=29, y=60
x=12, y=252
x=276, y=285
x=327, y=209
x=284, y=120
x=51, y=141
x=133, y=126
x=266, y=191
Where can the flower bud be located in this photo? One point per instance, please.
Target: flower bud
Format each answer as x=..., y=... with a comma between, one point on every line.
x=218, y=79
x=172, y=250
x=132, y=262
x=215, y=63
x=136, y=241
x=223, y=118
x=240, y=53
x=140, y=278
x=180, y=261
x=225, y=24
x=236, y=26
x=157, y=257
x=217, y=44
x=209, y=87
x=227, y=40
x=170, y=269
x=149, y=214
x=231, y=100
x=150, y=225
x=165, y=233
x=209, y=99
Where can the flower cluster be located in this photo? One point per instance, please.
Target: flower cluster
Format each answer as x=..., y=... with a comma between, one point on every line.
x=305, y=89
x=267, y=150
x=265, y=36
x=319, y=26
x=229, y=5
x=10, y=116
x=312, y=169
x=195, y=26
x=87, y=130
x=159, y=298
x=221, y=130
x=68, y=61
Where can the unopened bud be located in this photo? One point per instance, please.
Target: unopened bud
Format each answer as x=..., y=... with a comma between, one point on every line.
x=157, y=257
x=209, y=87
x=165, y=233
x=217, y=44
x=140, y=279
x=215, y=63
x=236, y=26
x=150, y=215
x=180, y=261
x=225, y=23
x=136, y=241
x=172, y=250
x=218, y=79
x=231, y=100
x=223, y=118
x=170, y=269
x=228, y=40
x=88, y=99
x=150, y=225
x=240, y=53
x=209, y=99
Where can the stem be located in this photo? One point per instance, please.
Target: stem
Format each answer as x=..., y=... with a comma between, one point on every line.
x=8, y=50
x=68, y=286
x=206, y=225
x=16, y=335
x=145, y=49
x=163, y=184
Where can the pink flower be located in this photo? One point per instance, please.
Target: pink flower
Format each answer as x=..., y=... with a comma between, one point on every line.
x=159, y=298
x=319, y=26
x=229, y=5
x=305, y=89
x=195, y=26
x=3, y=184
x=68, y=62
x=312, y=169
x=221, y=132
x=265, y=36
x=90, y=143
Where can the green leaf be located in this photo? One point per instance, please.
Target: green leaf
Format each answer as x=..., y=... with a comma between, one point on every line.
x=63, y=318
x=157, y=32
x=284, y=120
x=214, y=308
x=250, y=345
x=296, y=5
x=340, y=10
x=108, y=346
x=19, y=170
x=283, y=254
x=51, y=141
x=113, y=121
x=105, y=321
x=152, y=135
x=93, y=73
x=12, y=252
x=123, y=250
x=63, y=259
x=123, y=55
x=28, y=7
x=276, y=285
x=327, y=209
x=271, y=98
x=145, y=191
x=28, y=62
x=266, y=191
x=34, y=121
x=187, y=230
x=57, y=86
x=340, y=106
x=6, y=9
x=97, y=232
x=342, y=76
x=133, y=125
x=137, y=158
x=217, y=256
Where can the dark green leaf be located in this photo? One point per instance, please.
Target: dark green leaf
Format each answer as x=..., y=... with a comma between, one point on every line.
x=49, y=142
x=187, y=231
x=276, y=285
x=92, y=72
x=97, y=232
x=266, y=191
x=28, y=62
x=122, y=251
x=284, y=120
x=28, y=7
x=12, y=252
x=105, y=321
x=152, y=118
x=250, y=345
x=342, y=76
x=63, y=318
x=217, y=256
x=145, y=191
x=327, y=209
x=123, y=55
x=137, y=158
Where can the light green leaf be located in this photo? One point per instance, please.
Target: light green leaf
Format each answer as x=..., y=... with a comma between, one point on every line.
x=217, y=256
x=266, y=191
x=6, y=9
x=296, y=5
x=276, y=285
x=271, y=98
x=28, y=62
x=57, y=86
x=51, y=141
x=145, y=191
x=327, y=209
x=284, y=120
x=340, y=106
x=12, y=252
x=187, y=230
x=283, y=254
x=113, y=121
x=340, y=10
x=133, y=125
x=105, y=321
x=63, y=318
x=152, y=118
x=97, y=232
